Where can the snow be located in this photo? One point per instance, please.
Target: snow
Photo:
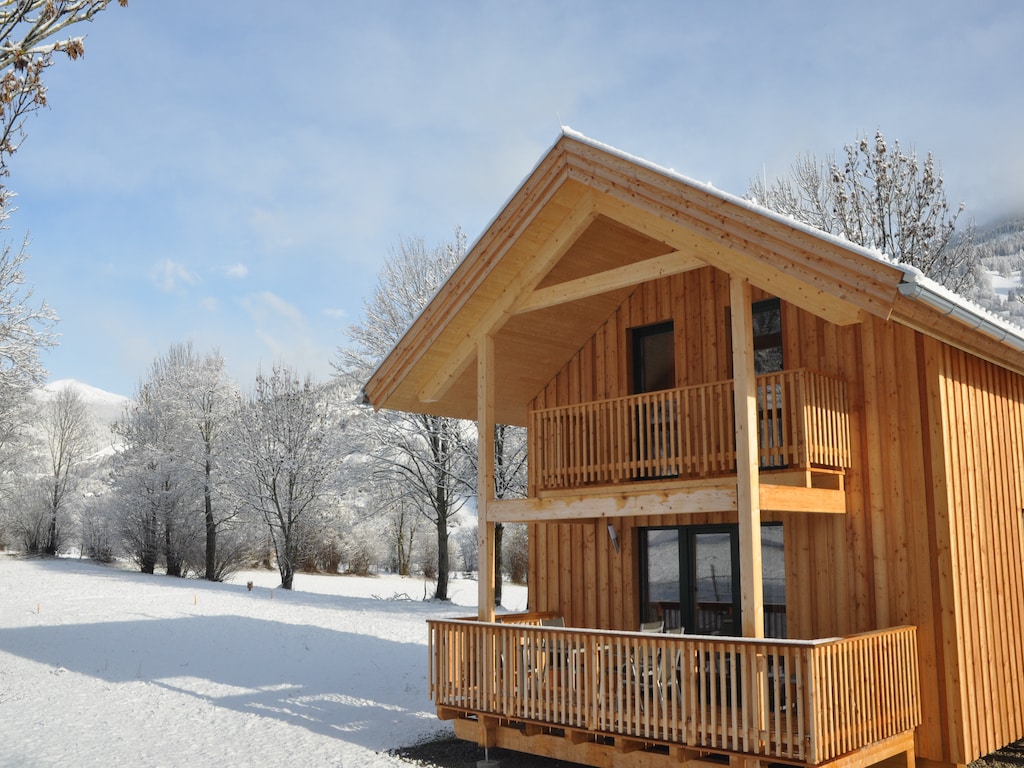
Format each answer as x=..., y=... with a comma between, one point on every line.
x=106, y=407
x=1001, y=286
x=104, y=666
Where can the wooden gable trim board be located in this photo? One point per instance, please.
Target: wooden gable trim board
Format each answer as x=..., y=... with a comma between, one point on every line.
x=836, y=269
x=825, y=286
x=533, y=194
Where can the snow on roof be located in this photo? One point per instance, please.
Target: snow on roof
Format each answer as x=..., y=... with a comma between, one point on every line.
x=914, y=284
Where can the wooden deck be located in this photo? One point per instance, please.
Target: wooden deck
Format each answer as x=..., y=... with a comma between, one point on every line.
x=806, y=702
x=686, y=433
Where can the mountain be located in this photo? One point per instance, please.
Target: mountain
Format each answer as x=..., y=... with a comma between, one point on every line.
x=1000, y=247
x=104, y=407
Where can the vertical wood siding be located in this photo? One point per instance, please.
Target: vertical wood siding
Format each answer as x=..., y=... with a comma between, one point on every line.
x=933, y=536
x=983, y=408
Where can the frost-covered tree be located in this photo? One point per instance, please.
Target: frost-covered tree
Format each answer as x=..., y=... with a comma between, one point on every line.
x=285, y=460
x=424, y=456
x=880, y=197
x=69, y=431
x=151, y=487
x=31, y=31
x=176, y=435
x=200, y=400
x=25, y=329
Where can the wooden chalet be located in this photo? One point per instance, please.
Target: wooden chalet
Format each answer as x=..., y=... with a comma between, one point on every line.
x=800, y=465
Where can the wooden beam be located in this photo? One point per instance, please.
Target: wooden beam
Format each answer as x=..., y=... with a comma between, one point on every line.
x=621, y=277
x=554, y=247
x=791, y=498
x=796, y=284
x=616, y=504
x=485, y=476
x=693, y=499
x=748, y=478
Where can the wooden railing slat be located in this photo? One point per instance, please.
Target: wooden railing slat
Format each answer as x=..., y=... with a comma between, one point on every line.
x=688, y=432
x=803, y=701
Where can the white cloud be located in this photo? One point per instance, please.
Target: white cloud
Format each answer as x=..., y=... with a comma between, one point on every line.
x=237, y=270
x=267, y=306
x=170, y=276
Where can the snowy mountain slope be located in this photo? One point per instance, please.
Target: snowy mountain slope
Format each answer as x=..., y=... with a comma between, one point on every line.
x=105, y=407
x=1000, y=247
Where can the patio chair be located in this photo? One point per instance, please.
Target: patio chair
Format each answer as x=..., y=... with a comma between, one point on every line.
x=644, y=666
x=671, y=675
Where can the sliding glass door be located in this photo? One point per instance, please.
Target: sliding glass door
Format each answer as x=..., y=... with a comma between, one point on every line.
x=690, y=578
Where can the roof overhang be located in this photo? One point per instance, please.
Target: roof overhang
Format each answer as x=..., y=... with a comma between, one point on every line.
x=586, y=227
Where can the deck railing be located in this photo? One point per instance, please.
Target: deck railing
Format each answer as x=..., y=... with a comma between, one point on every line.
x=803, y=422
x=801, y=701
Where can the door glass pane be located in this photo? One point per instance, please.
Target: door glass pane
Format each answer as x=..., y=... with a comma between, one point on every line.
x=773, y=577
x=713, y=587
x=662, y=577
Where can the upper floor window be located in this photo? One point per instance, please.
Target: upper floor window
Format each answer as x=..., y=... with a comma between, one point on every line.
x=767, y=321
x=654, y=358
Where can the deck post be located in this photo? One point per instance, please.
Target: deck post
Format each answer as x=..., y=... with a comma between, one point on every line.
x=748, y=486
x=748, y=491
x=485, y=476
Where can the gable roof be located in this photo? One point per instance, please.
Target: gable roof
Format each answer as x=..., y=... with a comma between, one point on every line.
x=587, y=226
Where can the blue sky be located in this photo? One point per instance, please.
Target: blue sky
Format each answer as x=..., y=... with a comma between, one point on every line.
x=234, y=172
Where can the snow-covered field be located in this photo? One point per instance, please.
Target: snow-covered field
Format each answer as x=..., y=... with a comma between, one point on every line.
x=101, y=666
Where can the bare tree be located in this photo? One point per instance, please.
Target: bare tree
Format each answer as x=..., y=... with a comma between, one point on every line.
x=510, y=483
x=423, y=455
x=69, y=434
x=884, y=198
x=285, y=460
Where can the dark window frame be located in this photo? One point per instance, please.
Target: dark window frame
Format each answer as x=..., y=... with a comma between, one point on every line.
x=638, y=338
x=686, y=540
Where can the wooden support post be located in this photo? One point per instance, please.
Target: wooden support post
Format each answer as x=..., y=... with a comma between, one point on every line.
x=748, y=486
x=485, y=476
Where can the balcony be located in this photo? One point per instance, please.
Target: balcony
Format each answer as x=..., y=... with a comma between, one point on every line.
x=805, y=702
x=689, y=433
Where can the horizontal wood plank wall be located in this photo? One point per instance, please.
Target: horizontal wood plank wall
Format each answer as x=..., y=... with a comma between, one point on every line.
x=984, y=407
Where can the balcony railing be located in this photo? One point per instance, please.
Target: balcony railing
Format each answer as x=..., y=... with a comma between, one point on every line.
x=686, y=433
x=799, y=701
